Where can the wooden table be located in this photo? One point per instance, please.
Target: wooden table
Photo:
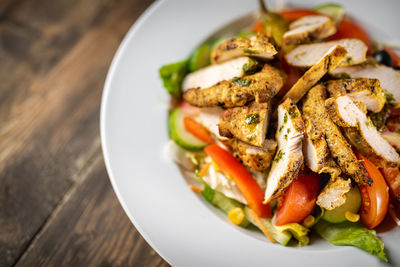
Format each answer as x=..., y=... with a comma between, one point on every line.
x=57, y=207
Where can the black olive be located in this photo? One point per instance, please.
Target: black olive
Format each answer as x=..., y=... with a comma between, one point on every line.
x=383, y=57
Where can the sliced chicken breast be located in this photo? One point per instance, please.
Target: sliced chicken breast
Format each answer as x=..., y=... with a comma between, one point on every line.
x=259, y=87
x=388, y=77
x=361, y=132
x=334, y=193
x=365, y=90
x=309, y=28
x=248, y=124
x=257, y=46
x=209, y=118
x=288, y=159
x=308, y=55
x=327, y=63
x=213, y=74
x=255, y=158
x=314, y=110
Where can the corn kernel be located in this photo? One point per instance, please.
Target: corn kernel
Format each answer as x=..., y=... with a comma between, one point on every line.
x=216, y=168
x=309, y=221
x=236, y=215
x=352, y=217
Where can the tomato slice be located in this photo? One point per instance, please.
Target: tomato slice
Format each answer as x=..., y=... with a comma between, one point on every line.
x=291, y=15
x=375, y=198
x=258, y=27
x=392, y=177
x=349, y=29
x=299, y=199
x=251, y=191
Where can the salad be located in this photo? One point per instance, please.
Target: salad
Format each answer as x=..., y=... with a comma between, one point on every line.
x=292, y=126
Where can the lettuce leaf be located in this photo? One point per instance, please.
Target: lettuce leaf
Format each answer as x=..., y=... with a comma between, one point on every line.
x=351, y=234
x=172, y=76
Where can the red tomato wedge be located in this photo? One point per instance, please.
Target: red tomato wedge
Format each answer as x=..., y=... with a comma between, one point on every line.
x=291, y=15
x=258, y=27
x=375, y=198
x=242, y=178
x=392, y=177
x=349, y=29
x=299, y=199
x=197, y=130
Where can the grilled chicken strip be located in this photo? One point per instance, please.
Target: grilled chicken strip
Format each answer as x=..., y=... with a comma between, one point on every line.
x=256, y=158
x=309, y=28
x=213, y=74
x=334, y=193
x=314, y=110
x=248, y=124
x=308, y=55
x=288, y=159
x=316, y=152
x=361, y=132
x=327, y=63
x=257, y=46
x=389, y=78
x=261, y=87
x=367, y=91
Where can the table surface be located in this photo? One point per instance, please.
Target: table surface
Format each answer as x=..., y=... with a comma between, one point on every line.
x=57, y=206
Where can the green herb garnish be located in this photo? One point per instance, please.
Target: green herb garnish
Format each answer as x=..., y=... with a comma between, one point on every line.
x=241, y=81
x=252, y=119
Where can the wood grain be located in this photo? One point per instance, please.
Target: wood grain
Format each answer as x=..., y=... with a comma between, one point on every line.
x=55, y=56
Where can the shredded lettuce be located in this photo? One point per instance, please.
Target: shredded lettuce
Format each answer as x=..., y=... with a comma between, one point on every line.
x=351, y=234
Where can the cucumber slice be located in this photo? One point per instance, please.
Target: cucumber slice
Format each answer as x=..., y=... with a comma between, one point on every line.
x=335, y=11
x=352, y=204
x=180, y=135
x=200, y=58
x=282, y=238
x=222, y=202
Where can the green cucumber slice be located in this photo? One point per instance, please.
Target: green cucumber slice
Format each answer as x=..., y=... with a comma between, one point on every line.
x=222, y=202
x=200, y=58
x=180, y=135
x=335, y=11
x=282, y=238
x=352, y=204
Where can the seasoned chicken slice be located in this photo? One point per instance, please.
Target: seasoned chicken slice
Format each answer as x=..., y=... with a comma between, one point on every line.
x=314, y=110
x=389, y=78
x=334, y=193
x=209, y=118
x=361, y=132
x=213, y=74
x=248, y=123
x=309, y=28
x=256, y=158
x=257, y=46
x=364, y=90
x=308, y=55
x=288, y=159
x=327, y=63
x=259, y=87
x=316, y=152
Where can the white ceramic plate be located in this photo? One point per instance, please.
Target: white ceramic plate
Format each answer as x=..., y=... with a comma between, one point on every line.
x=179, y=225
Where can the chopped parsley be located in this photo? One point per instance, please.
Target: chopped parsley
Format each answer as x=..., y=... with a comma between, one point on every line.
x=251, y=67
x=389, y=98
x=281, y=128
x=348, y=59
x=250, y=51
x=292, y=111
x=369, y=123
x=252, y=119
x=279, y=155
x=241, y=81
x=285, y=118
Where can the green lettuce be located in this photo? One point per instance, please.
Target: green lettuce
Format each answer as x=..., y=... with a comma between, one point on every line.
x=351, y=234
x=172, y=76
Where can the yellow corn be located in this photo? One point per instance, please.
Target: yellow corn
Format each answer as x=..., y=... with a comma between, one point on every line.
x=216, y=168
x=352, y=217
x=236, y=215
x=309, y=221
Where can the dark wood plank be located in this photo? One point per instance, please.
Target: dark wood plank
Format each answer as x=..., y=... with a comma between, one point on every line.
x=49, y=105
x=90, y=229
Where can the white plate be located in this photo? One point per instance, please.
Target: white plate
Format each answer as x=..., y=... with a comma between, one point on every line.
x=179, y=225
